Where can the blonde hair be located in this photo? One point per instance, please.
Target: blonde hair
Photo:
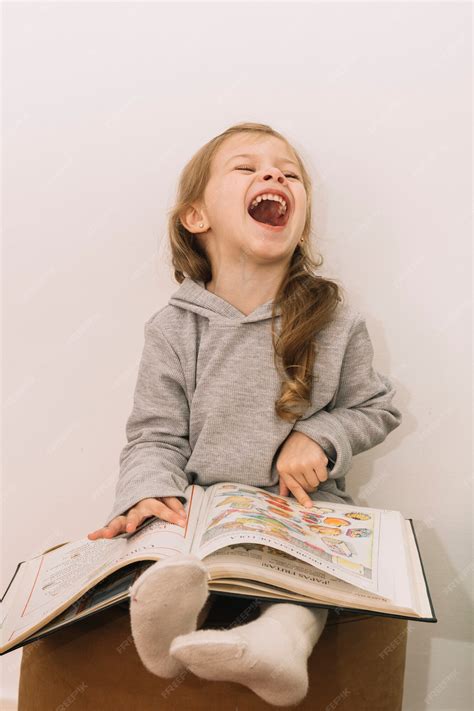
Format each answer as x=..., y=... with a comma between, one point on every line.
x=306, y=300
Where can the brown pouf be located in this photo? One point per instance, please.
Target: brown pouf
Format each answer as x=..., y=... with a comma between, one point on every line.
x=358, y=664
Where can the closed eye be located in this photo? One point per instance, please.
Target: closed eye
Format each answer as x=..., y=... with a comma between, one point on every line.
x=246, y=167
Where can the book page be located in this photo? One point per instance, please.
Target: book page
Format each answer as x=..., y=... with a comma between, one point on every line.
x=113, y=588
x=340, y=539
x=422, y=604
x=48, y=583
x=275, y=568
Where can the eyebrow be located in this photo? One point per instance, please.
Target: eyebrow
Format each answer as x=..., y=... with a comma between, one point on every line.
x=252, y=155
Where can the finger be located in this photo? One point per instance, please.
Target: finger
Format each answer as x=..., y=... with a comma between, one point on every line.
x=167, y=514
x=92, y=535
x=311, y=478
x=322, y=473
x=300, y=479
x=108, y=531
x=117, y=525
x=175, y=504
x=284, y=490
x=134, y=518
x=298, y=492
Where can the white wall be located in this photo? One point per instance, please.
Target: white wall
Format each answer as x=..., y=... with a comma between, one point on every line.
x=103, y=104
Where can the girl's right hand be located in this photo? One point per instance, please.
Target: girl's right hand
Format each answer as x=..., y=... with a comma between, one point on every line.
x=168, y=508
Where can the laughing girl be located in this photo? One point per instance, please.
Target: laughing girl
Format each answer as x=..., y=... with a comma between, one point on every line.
x=256, y=372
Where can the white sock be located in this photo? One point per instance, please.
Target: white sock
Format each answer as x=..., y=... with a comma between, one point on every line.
x=164, y=602
x=269, y=655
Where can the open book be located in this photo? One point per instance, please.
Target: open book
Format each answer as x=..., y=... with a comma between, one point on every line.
x=253, y=543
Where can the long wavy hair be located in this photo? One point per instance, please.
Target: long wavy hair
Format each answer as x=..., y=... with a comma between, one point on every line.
x=306, y=300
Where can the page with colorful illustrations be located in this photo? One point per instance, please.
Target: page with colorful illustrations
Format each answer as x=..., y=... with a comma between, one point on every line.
x=340, y=539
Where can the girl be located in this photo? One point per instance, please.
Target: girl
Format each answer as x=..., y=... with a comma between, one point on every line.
x=226, y=392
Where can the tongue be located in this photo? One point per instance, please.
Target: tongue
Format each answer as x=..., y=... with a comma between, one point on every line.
x=268, y=211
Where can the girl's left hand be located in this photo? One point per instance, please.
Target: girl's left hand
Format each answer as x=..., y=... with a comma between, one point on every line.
x=301, y=465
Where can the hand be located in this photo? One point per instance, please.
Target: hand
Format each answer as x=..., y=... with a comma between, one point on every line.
x=168, y=508
x=301, y=465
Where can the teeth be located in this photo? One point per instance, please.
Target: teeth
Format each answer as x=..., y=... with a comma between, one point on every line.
x=271, y=196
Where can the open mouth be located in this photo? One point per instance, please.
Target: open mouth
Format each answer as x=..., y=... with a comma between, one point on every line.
x=269, y=211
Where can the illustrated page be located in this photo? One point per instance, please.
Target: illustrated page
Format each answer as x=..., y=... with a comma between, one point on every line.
x=340, y=539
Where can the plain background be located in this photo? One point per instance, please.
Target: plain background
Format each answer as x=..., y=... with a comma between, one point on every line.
x=103, y=104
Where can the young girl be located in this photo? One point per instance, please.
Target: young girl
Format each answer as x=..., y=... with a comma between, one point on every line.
x=255, y=372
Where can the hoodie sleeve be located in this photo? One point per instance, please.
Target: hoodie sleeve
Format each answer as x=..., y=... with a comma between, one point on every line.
x=157, y=450
x=363, y=414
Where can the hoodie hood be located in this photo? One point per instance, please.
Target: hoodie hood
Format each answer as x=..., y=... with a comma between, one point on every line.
x=192, y=295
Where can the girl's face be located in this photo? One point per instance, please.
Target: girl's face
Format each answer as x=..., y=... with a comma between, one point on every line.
x=230, y=231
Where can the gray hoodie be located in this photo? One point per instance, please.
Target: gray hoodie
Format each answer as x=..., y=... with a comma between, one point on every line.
x=203, y=409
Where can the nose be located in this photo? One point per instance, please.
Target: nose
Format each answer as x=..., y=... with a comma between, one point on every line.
x=274, y=173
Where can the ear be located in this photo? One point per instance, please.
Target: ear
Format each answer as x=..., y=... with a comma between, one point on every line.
x=192, y=217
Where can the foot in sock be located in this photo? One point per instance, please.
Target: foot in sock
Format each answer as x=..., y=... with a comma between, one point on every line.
x=165, y=601
x=269, y=655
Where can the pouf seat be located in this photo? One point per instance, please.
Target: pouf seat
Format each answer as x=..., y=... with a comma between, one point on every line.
x=92, y=665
